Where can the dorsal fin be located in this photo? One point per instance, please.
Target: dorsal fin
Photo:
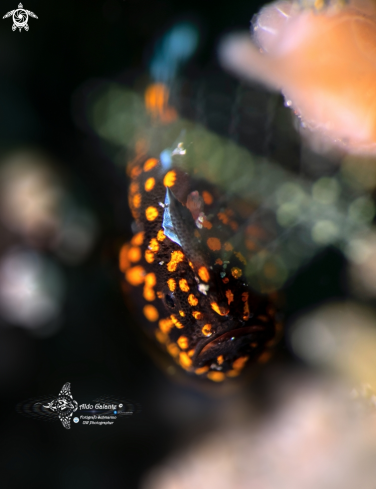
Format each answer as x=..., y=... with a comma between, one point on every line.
x=180, y=227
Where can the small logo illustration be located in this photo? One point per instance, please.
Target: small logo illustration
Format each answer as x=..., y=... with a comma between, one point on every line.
x=64, y=405
x=20, y=17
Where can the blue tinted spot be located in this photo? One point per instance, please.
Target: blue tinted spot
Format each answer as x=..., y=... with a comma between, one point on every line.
x=166, y=159
x=182, y=41
x=176, y=46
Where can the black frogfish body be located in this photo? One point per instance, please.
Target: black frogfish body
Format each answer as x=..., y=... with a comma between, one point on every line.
x=189, y=277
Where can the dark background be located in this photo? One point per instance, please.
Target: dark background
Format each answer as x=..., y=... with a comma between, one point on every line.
x=41, y=72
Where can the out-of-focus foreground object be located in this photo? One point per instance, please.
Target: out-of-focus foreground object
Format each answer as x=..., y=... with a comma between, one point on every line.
x=324, y=64
x=316, y=437
x=36, y=206
x=43, y=227
x=341, y=337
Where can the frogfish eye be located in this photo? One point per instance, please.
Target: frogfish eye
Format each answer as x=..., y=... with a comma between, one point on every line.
x=169, y=300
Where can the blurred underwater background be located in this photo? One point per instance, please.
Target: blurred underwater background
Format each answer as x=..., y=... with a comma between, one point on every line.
x=89, y=87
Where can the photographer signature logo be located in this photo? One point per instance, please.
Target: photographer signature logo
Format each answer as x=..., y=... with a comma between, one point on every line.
x=20, y=17
x=103, y=411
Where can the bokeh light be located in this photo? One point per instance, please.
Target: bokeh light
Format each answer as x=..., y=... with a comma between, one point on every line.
x=31, y=289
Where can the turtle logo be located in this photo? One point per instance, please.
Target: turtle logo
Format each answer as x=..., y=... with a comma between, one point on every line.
x=64, y=405
x=20, y=17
